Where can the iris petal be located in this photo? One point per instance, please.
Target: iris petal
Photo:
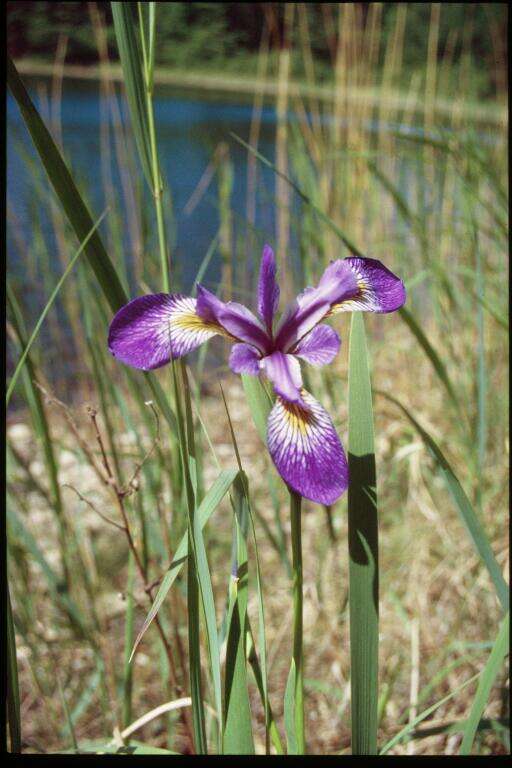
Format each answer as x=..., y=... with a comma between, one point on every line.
x=244, y=359
x=268, y=289
x=238, y=321
x=306, y=449
x=346, y=285
x=144, y=331
x=375, y=289
x=320, y=346
x=284, y=373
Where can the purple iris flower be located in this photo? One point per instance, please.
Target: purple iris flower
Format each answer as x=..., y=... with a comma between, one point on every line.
x=305, y=448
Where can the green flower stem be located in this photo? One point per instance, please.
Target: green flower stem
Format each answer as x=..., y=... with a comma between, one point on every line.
x=155, y=166
x=295, y=513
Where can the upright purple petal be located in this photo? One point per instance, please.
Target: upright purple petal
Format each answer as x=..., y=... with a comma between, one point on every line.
x=268, y=289
x=320, y=346
x=208, y=304
x=284, y=373
x=244, y=359
x=306, y=311
x=238, y=321
x=144, y=331
x=306, y=449
x=346, y=285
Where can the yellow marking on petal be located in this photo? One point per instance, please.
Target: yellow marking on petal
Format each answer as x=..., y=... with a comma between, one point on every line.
x=297, y=417
x=364, y=292
x=189, y=321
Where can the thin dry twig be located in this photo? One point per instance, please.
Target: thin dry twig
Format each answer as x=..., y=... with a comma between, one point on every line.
x=91, y=505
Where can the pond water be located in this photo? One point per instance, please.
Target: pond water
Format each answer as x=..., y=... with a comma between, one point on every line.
x=190, y=127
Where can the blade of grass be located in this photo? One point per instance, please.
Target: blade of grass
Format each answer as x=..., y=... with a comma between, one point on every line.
x=260, y=672
x=87, y=694
x=363, y=548
x=289, y=711
x=237, y=737
x=125, y=30
x=65, y=707
x=398, y=737
x=497, y=725
x=203, y=571
x=67, y=192
x=206, y=509
x=29, y=543
x=49, y=303
x=303, y=196
x=485, y=683
x=128, y=641
x=259, y=403
x=431, y=353
x=41, y=428
x=13, y=691
x=194, y=647
x=294, y=698
x=463, y=505
x=138, y=79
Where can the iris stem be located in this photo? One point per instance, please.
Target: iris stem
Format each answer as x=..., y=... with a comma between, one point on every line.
x=295, y=514
x=155, y=165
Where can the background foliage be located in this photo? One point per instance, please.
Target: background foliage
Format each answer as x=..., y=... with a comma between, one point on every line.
x=228, y=35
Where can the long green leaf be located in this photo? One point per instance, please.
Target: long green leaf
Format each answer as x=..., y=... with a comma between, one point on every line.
x=485, y=683
x=363, y=548
x=238, y=738
x=194, y=645
x=294, y=697
x=289, y=711
x=464, y=507
x=101, y=747
x=260, y=672
x=45, y=311
x=67, y=192
x=206, y=509
x=259, y=403
x=125, y=29
x=203, y=570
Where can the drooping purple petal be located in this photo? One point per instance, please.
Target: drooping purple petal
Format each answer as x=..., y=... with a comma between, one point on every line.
x=237, y=320
x=144, y=331
x=244, y=359
x=320, y=346
x=284, y=373
x=374, y=287
x=346, y=285
x=268, y=289
x=306, y=449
